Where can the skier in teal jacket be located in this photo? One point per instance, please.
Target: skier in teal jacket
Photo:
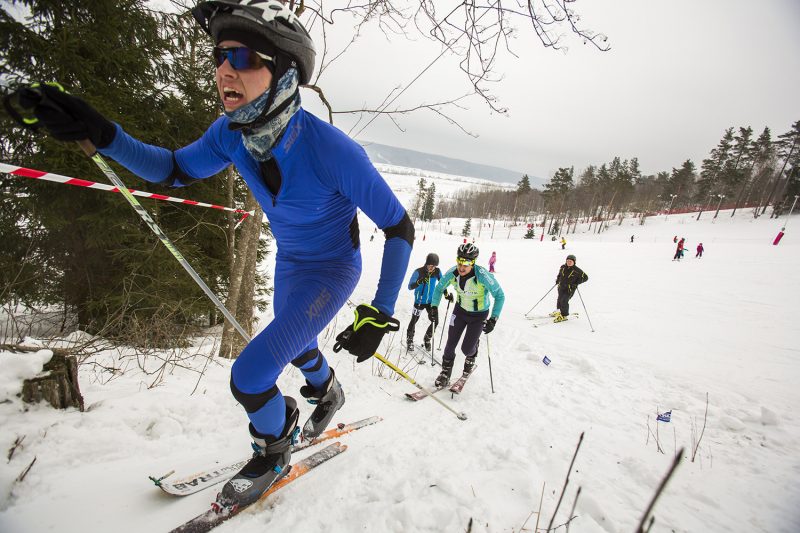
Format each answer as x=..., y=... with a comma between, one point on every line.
x=473, y=285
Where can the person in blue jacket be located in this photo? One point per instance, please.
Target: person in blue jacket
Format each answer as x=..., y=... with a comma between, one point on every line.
x=473, y=285
x=423, y=282
x=310, y=179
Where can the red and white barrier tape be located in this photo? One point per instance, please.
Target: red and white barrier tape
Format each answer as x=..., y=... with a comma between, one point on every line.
x=38, y=174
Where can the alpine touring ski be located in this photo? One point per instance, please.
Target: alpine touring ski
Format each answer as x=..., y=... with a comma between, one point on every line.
x=216, y=515
x=201, y=480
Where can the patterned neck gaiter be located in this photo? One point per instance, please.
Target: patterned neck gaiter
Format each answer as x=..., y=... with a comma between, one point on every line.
x=259, y=142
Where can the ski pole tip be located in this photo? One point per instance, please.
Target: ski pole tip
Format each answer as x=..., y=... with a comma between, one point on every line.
x=462, y=416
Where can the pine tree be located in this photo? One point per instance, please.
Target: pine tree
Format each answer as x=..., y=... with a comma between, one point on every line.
x=429, y=204
x=524, y=185
x=419, y=199
x=97, y=257
x=467, y=228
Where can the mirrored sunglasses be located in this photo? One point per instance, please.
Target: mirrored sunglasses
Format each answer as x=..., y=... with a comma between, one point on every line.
x=240, y=58
x=465, y=262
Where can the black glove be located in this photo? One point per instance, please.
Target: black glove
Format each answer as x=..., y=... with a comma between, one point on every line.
x=448, y=297
x=433, y=314
x=488, y=326
x=66, y=117
x=419, y=282
x=363, y=336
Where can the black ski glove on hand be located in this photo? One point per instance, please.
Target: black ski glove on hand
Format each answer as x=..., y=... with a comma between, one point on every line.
x=433, y=314
x=448, y=297
x=66, y=117
x=488, y=326
x=363, y=336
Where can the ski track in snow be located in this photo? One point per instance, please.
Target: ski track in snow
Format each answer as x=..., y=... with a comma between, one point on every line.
x=667, y=333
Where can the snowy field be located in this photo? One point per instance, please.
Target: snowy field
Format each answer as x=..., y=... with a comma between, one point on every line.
x=667, y=335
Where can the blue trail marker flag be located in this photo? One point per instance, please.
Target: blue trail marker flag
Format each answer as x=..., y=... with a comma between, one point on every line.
x=546, y=360
x=664, y=417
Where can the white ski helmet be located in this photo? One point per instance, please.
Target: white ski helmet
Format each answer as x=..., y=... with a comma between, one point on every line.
x=266, y=26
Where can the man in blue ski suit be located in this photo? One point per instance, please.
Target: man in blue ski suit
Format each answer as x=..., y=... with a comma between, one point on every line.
x=473, y=284
x=423, y=282
x=310, y=179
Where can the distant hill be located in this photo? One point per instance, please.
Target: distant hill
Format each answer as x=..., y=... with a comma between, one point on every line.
x=392, y=155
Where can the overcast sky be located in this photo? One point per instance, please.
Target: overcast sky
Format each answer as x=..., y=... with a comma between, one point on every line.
x=678, y=73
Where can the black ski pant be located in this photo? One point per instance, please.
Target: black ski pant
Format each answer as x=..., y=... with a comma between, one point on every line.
x=412, y=326
x=459, y=321
x=564, y=294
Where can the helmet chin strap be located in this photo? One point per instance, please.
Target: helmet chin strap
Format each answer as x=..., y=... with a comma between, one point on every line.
x=282, y=65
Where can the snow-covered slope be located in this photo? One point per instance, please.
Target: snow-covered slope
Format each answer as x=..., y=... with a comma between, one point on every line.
x=666, y=334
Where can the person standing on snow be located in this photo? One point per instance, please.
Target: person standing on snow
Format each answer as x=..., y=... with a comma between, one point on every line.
x=568, y=279
x=492, y=261
x=473, y=285
x=423, y=282
x=310, y=179
x=563, y=243
x=679, y=250
x=699, y=251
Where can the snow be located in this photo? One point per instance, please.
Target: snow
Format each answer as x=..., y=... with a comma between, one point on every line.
x=667, y=336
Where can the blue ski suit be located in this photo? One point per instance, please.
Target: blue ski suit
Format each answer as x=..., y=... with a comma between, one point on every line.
x=323, y=178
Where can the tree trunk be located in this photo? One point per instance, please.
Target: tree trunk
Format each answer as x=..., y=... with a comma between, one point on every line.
x=58, y=385
x=242, y=282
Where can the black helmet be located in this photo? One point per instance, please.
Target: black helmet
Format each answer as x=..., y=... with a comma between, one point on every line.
x=468, y=251
x=432, y=259
x=268, y=27
x=570, y=256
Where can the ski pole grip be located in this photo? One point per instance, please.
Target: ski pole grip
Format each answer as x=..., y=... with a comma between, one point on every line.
x=87, y=146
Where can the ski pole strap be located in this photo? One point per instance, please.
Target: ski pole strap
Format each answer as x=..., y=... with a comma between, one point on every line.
x=382, y=359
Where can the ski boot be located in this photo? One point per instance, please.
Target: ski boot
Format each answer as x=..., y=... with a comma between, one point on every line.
x=443, y=379
x=328, y=400
x=428, y=343
x=555, y=313
x=469, y=365
x=559, y=318
x=270, y=463
x=410, y=345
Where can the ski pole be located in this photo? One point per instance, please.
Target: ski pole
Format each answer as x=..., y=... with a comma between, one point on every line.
x=489, y=355
x=445, y=314
x=382, y=359
x=89, y=149
x=542, y=298
x=433, y=343
x=584, y=308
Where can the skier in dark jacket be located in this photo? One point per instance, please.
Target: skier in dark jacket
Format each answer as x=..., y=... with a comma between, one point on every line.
x=423, y=282
x=568, y=279
x=310, y=179
x=699, y=250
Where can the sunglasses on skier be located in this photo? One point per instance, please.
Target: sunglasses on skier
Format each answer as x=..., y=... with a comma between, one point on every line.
x=465, y=262
x=241, y=58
